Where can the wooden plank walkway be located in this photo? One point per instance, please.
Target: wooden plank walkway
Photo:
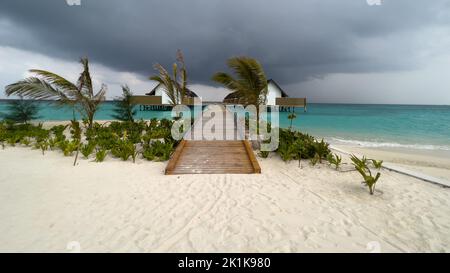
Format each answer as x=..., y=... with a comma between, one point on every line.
x=211, y=152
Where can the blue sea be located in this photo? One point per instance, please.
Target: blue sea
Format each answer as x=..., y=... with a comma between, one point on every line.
x=408, y=126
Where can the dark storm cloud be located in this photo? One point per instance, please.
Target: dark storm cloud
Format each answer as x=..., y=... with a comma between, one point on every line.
x=294, y=40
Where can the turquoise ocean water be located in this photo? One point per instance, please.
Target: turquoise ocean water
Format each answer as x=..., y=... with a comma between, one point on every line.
x=409, y=126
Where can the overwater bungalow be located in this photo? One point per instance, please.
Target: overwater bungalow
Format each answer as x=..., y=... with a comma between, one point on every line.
x=157, y=99
x=276, y=96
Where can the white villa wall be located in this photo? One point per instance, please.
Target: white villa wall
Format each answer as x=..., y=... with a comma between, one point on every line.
x=273, y=92
x=164, y=98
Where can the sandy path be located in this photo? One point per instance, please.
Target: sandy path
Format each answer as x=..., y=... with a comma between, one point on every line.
x=115, y=206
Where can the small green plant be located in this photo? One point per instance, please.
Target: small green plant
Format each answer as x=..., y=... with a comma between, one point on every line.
x=335, y=160
x=134, y=153
x=264, y=154
x=101, y=155
x=291, y=117
x=52, y=143
x=58, y=132
x=3, y=133
x=87, y=149
x=377, y=164
x=286, y=151
x=68, y=147
x=13, y=140
x=369, y=180
x=25, y=141
x=43, y=145
x=321, y=149
x=158, y=151
x=315, y=160
x=299, y=150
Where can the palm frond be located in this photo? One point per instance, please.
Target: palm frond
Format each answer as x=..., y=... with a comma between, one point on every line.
x=166, y=82
x=38, y=89
x=84, y=81
x=249, y=83
x=55, y=80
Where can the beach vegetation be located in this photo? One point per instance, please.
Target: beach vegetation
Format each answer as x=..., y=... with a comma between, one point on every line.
x=100, y=155
x=58, y=132
x=3, y=134
x=248, y=82
x=124, y=107
x=321, y=149
x=377, y=164
x=69, y=147
x=124, y=149
x=286, y=151
x=43, y=145
x=362, y=167
x=264, y=154
x=87, y=149
x=315, y=159
x=123, y=140
x=175, y=85
x=294, y=145
x=25, y=141
x=158, y=151
x=45, y=85
x=291, y=118
x=335, y=160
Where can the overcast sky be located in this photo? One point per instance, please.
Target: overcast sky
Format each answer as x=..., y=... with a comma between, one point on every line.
x=325, y=50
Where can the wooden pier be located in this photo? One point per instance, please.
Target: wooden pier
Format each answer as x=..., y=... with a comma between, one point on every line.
x=202, y=153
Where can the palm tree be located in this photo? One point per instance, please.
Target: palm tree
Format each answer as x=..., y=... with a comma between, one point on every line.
x=47, y=85
x=291, y=117
x=250, y=83
x=175, y=85
x=123, y=107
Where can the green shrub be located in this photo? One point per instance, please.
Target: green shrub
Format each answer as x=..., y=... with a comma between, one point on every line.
x=68, y=147
x=3, y=134
x=13, y=140
x=124, y=149
x=296, y=145
x=286, y=151
x=335, y=160
x=315, y=160
x=58, y=132
x=43, y=145
x=100, y=155
x=264, y=154
x=75, y=130
x=361, y=166
x=25, y=141
x=158, y=151
x=87, y=149
x=321, y=149
x=377, y=164
x=52, y=143
x=120, y=138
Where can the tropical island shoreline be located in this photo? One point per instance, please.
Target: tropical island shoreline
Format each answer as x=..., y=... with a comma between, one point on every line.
x=114, y=206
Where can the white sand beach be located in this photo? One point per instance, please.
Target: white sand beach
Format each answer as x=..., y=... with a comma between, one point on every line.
x=430, y=162
x=115, y=206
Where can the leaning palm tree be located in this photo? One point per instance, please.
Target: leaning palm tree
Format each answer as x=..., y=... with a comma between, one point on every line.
x=47, y=85
x=250, y=83
x=174, y=85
